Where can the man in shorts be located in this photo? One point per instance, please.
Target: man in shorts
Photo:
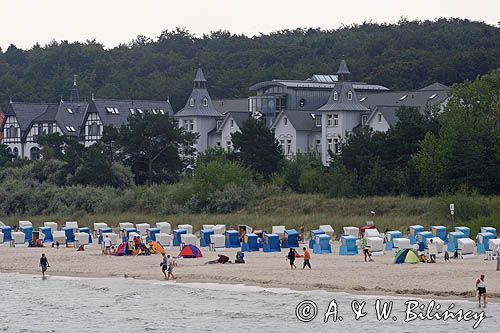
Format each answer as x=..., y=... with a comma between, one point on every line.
x=164, y=265
x=44, y=263
x=481, y=290
x=107, y=245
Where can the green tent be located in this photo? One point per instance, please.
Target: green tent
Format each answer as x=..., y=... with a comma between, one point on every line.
x=406, y=256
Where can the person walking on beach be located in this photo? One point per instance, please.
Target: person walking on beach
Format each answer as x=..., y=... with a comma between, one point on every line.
x=169, y=266
x=44, y=263
x=107, y=245
x=164, y=265
x=498, y=258
x=307, y=258
x=481, y=289
x=433, y=250
x=366, y=249
x=291, y=258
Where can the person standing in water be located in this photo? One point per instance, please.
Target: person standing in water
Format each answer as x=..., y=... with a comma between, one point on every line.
x=44, y=263
x=291, y=258
x=481, y=289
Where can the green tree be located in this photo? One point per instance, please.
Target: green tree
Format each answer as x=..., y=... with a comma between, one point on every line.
x=466, y=151
x=5, y=155
x=257, y=148
x=155, y=147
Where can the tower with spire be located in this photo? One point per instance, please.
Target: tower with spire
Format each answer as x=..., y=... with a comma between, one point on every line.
x=199, y=114
x=340, y=114
x=74, y=96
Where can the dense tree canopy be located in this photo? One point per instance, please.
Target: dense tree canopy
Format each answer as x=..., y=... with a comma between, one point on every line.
x=406, y=55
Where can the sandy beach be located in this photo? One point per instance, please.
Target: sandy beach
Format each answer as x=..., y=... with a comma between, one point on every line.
x=330, y=272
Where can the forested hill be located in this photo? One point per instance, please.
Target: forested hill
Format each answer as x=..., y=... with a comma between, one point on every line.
x=406, y=55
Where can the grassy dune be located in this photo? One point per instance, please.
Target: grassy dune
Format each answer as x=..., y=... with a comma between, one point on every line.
x=291, y=210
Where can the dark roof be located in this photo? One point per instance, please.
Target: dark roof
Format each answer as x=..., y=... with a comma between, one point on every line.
x=343, y=68
x=388, y=112
x=198, y=94
x=342, y=103
x=300, y=120
x=239, y=117
x=317, y=82
x=419, y=99
x=25, y=113
x=200, y=77
x=124, y=106
x=231, y=105
x=435, y=86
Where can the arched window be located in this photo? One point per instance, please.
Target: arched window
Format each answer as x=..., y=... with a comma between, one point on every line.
x=205, y=101
x=40, y=130
x=16, y=152
x=335, y=96
x=12, y=132
x=34, y=153
x=349, y=95
x=191, y=101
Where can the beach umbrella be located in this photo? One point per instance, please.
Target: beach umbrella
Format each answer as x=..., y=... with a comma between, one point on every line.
x=406, y=256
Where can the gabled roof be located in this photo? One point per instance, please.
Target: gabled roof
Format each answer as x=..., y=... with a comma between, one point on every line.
x=388, y=112
x=103, y=107
x=194, y=106
x=238, y=117
x=339, y=99
x=25, y=113
x=300, y=120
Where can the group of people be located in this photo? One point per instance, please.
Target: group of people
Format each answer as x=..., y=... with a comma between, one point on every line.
x=167, y=266
x=292, y=255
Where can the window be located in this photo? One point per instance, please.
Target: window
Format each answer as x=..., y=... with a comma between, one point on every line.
x=228, y=144
x=288, y=147
x=112, y=110
x=302, y=102
x=403, y=97
x=140, y=111
x=232, y=123
x=34, y=153
x=40, y=130
x=162, y=112
x=218, y=143
x=380, y=117
x=69, y=110
x=188, y=125
x=219, y=124
x=335, y=96
x=349, y=95
x=50, y=129
x=282, y=144
x=132, y=111
x=318, y=121
x=335, y=120
x=318, y=145
x=330, y=145
x=11, y=132
x=94, y=129
x=286, y=121
x=329, y=120
x=16, y=152
x=336, y=146
x=364, y=119
x=362, y=99
x=191, y=101
x=116, y=111
x=432, y=96
x=153, y=110
x=205, y=101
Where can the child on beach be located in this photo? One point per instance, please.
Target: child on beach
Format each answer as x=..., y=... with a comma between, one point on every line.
x=44, y=263
x=481, y=289
x=307, y=258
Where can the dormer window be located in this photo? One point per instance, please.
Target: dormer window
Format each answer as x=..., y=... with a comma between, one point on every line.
x=349, y=95
x=380, y=117
x=232, y=123
x=69, y=110
x=219, y=124
x=285, y=121
x=132, y=111
x=191, y=101
x=205, y=101
x=318, y=121
x=335, y=96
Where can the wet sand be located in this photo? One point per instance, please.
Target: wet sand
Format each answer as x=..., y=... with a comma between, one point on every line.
x=331, y=272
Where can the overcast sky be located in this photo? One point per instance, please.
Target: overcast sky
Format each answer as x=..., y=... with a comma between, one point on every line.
x=25, y=22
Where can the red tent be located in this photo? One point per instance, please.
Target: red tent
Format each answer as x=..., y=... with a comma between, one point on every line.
x=190, y=251
x=366, y=227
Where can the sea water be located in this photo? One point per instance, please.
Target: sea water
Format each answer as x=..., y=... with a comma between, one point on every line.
x=64, y=304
